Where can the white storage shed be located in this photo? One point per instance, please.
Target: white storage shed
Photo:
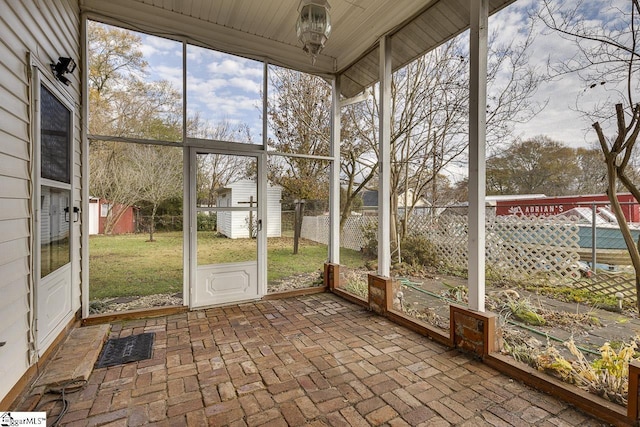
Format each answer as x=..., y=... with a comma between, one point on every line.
x=242, y=194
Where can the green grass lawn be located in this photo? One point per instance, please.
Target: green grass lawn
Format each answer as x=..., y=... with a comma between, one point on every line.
x=128, y=265
x=311, y=256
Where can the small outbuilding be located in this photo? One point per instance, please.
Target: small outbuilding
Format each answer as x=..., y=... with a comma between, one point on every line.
x=100, y=209
x=241, y=224
x=419, y=204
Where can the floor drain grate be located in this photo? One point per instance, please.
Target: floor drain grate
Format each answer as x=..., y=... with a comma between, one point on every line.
x=133, y=348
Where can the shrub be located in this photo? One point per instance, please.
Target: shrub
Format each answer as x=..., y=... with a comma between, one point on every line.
x=370, y=234
x=206, y=222
x=418, y=251
x=607, y=376
x=415, y=250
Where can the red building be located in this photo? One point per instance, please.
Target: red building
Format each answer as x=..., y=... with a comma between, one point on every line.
x=98, y=209
x=547, y=206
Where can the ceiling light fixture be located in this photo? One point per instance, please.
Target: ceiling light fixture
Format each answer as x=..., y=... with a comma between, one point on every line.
x=313, y=26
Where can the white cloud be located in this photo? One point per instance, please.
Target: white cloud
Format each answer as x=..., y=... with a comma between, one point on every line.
x=159, y=49
x=561, y=119
x=223, y=86
x=231, y=87
x=236, y=67
x=220, y=87
x=161, y=46
x=148, y=50
x=172, y=74
x=246, y=85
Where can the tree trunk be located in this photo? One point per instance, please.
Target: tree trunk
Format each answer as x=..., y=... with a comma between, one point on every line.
x=152, y=225
x=638, y=274
x=113, y=216
x=394, y=220
x=615, y=172
x=622, y=223
x=297, y=226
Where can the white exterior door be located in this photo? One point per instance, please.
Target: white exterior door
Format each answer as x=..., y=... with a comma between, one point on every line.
x=55, y=214
x=226, y=228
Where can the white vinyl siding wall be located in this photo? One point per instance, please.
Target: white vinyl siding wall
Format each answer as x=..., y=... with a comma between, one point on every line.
x=241, y=192
x=47, y=29
x=274, y=211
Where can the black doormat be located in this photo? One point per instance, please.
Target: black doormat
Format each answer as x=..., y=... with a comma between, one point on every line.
x=118, y=351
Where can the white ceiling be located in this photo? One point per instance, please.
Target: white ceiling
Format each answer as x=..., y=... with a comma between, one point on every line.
x=265, y=29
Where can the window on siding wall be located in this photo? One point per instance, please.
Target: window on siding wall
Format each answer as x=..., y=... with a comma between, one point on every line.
x=55, y=193
x=55, y=127
x=104, y=209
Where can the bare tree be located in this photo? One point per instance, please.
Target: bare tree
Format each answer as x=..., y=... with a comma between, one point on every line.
x=126, y=174
x=123, y=104
x=430, y=101
x=617, y=155
x=299, y=117
x=358, y=156
x=159, y=172
x=112, y=179
x=606, y=56
x=442, y=193
x=429, y=130
x=430, y=124
x=427, y=108
x=299, y=114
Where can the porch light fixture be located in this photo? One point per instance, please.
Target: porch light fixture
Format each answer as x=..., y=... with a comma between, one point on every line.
x=64, y=66
x=313, y=26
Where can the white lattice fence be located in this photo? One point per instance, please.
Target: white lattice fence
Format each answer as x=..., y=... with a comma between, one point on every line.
x=353, y=231
x=517, y=247
x=609, y=284
x=529, y=246
x=316, y=228
x=448, y=234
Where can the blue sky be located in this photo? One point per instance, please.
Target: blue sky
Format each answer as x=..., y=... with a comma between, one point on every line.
x=560, y=120
x=220, y=87
x=226, y=88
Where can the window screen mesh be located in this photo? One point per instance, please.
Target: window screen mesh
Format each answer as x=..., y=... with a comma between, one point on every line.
x=55, y=137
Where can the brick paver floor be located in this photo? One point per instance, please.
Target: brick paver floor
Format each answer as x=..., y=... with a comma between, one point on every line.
x=315, y=360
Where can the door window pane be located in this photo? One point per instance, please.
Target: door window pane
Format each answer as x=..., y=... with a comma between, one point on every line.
x=54, y=229
x=227, y=202
x=55, y=137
